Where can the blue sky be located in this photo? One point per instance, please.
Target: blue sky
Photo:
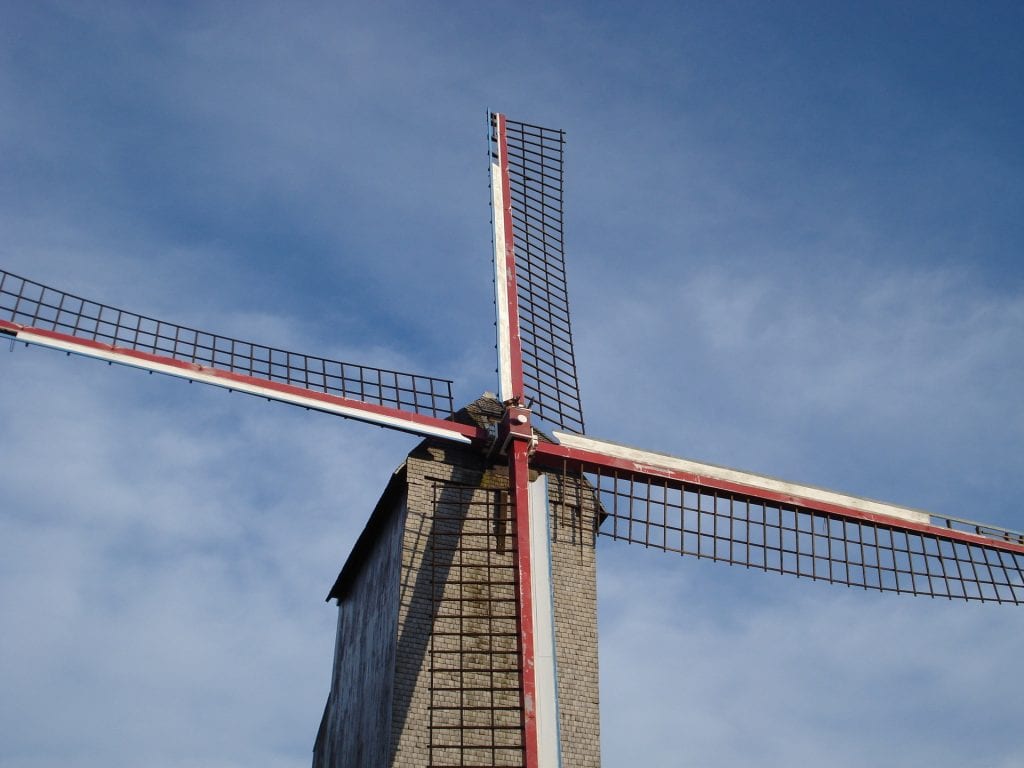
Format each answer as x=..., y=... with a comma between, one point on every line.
x=794, y=236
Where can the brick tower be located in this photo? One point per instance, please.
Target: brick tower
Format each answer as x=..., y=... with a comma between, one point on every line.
x=426, y=664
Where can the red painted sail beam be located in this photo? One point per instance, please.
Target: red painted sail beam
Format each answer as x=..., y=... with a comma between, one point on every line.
x=589, y=455
x=519, y=477
x=516, y=431
x=510, y=349
x=381, y=415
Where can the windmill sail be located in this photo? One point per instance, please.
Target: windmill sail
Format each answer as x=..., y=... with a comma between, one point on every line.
x=37, y=314
x=690, y=508
x=533, y=158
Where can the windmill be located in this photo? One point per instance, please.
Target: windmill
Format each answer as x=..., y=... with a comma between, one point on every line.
x=658, y=501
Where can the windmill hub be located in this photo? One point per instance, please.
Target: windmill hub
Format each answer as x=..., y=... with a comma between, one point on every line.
x=514, y=425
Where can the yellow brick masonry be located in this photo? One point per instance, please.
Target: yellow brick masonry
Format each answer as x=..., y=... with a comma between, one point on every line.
x=456, y=481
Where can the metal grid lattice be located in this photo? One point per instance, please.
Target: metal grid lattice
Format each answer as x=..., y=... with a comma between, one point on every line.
x=475, y=680
x=37, y=306
x=690, y=519
x=535, y=171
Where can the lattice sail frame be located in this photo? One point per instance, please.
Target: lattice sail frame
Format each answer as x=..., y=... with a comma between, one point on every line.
x=38, y=306
x=690, y=519
x=533, y=158
x=38, y=314
x=758, y=522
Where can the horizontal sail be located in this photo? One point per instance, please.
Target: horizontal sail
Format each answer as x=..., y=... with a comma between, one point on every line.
x=32, y=305
x=691, y=508
x=39, y=315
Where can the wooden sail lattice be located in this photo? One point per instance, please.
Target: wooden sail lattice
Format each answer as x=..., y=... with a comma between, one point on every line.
x=795, y=539
x=536, y=175
x=33, y=305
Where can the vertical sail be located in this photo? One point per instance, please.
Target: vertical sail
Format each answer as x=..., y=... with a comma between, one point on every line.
x=527, y=200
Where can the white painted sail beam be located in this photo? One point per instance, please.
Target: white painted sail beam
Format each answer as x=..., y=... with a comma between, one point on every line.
x=499, y=204
x=660, y=463
x=549, y=753
x=352, y=409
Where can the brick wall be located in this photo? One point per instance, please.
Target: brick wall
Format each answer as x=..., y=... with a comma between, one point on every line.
x=454, y=699
x=572, y=522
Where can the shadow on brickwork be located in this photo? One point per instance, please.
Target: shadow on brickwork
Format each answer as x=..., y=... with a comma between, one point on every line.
x=460, y=627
